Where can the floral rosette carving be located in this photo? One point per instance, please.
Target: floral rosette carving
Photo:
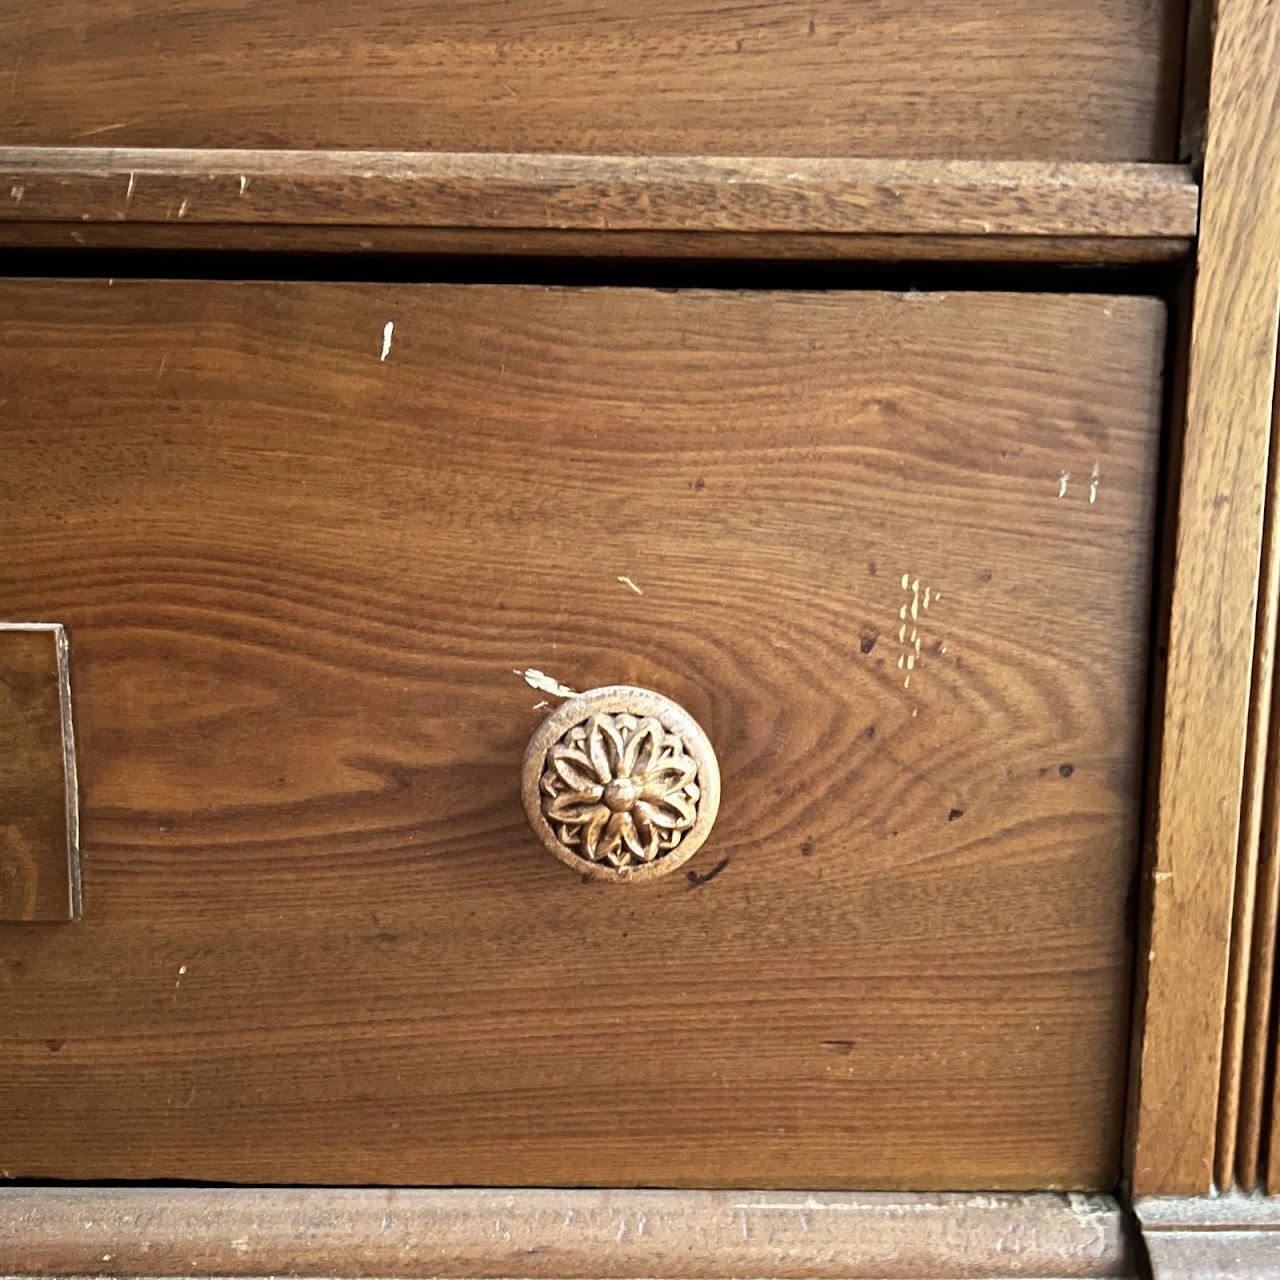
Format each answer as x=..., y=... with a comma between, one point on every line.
x=620, y=790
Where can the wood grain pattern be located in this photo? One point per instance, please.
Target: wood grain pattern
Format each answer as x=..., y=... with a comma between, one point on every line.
x=599, y=193
x=453, y=241
x=559, y=1235
x=324, y=946
x=1043, y=79
x=1213, y=622
x=39, y=857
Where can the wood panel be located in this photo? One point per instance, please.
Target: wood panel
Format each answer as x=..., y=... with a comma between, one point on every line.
x=1209, y=773
x=599, y=193
x=558, y=1235
x=39, y=858
x=1043, y=79
x=303, y=534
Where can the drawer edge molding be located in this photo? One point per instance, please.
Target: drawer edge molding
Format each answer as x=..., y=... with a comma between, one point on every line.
x=525, y=192
x=561, y=1234
x=39, y=799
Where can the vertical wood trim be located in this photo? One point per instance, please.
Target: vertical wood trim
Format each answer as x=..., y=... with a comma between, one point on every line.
x=1270, y=1161
x=1260, y=1029
x=1213, y=611
x=39, y=805
x=1241, y=1080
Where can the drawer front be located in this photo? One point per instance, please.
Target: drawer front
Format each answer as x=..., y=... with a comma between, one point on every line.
x=892, y=551
x=978, y=79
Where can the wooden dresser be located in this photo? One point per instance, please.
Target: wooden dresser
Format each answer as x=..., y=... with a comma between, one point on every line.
x=636, y=640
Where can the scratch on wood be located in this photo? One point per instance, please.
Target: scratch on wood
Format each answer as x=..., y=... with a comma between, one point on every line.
x=182, y=209
x=626, y=582
x=128, y=191
x=103, y=128
x=244, y=185
x=387, y=330
x=910, y=615
x=1093, y=485
x=16, y=194
x=1062, y=484
x=696, y=879
x=539, y=680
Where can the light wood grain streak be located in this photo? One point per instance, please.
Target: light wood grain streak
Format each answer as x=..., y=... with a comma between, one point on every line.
x=981, y=79
x=1214, y=607
x=614, y=193
x=559, y=1235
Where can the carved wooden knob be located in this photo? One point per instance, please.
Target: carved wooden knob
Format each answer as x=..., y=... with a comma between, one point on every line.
x=621, y=784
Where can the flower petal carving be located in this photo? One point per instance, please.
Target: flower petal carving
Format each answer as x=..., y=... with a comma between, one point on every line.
x=575, y=767
x=573, y=808
x=642, y=749
x=592, y=830
x=673, y=812
x=619, y=790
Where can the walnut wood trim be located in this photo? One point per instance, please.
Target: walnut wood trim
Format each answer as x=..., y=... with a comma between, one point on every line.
x=778, y=246
x=596, y=193
x=1213, y=618
x=567, y=1235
